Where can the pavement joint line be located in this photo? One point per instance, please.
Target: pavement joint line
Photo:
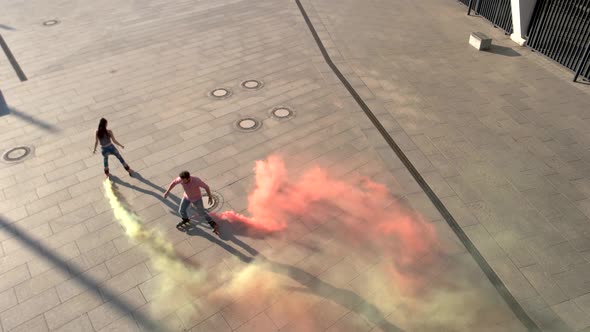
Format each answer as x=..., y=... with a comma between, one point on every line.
x=516, y=308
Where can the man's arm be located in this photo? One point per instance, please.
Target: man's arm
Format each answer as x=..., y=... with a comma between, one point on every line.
x=206, y=187
x=172, y=185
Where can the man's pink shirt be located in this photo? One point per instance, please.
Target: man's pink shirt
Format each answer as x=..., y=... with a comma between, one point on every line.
x=192, y=190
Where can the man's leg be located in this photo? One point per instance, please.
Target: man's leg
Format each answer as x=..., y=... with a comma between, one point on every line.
x=182, y=210
x=198, y=205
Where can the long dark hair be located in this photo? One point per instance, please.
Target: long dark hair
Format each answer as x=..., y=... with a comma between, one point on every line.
x=102, y=128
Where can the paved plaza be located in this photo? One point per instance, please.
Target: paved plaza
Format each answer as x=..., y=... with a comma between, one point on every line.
x=500, y=136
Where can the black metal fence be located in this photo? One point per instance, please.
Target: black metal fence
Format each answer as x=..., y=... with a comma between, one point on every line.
x=560, y=29
x=498, y=12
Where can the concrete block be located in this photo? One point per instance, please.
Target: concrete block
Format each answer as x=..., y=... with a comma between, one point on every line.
x=480, y=41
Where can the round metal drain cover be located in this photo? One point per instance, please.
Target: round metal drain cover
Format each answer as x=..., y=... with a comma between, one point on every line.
x=220, y=93
x=17, y=154
x=50, y=23
x=217, y=201
x=252, y=84
x=248, y=124
x=282, y=113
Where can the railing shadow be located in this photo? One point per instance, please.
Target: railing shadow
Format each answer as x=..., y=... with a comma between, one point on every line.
x=6, y=27
x=6, y=110
x=502, y=50
x=309, y=282
x=85, y=281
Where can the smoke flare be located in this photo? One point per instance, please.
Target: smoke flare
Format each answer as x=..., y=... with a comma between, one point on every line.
x=179, y=283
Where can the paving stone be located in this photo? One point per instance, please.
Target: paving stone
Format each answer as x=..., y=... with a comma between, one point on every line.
x=72, y=308
x=80, y=324
x=40, y=283
x=72, y=287
x=128, y=258
x=95, y=239
x=47, y=202
x=572, y=315
x=29, y=309
x=544, y=285
x=7, y=299
x=258, y=323
x=576, y=281
x=14, y=277
x=123, y=325
x=513, y=278
x=36, y=324
x=106, y=313
x=214, y=323
x=128, y=279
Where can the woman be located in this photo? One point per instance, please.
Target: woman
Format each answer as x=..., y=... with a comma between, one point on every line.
x=106, y=139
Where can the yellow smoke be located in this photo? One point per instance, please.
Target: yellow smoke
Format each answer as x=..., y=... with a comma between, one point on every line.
x=179, y=284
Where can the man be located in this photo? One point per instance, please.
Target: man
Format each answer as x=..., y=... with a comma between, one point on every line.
x=192, y=195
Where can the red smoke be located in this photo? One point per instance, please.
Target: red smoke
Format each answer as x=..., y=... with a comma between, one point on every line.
x=371, y=217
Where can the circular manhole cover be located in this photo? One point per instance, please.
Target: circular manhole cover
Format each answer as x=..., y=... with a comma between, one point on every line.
x=282, y=113
x=220, y=93
x=248, y=124
x=17, y=154
x=49, y=23
x=252, y=84
x=217, y=201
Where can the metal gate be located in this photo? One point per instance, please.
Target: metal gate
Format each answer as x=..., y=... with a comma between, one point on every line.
x=560, y=29
x=498, y=12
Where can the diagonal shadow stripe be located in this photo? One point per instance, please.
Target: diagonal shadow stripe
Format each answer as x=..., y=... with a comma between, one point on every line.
x=7, y=110
x=519, y=312
x=119, y=304
x=19, y=72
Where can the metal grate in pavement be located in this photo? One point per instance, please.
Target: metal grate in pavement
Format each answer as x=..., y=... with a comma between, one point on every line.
x=217, y=201
x=248, y=124
x=50, y=23
x=220, y=93
x=17, y=154
x=282, y=113
x=252, y=84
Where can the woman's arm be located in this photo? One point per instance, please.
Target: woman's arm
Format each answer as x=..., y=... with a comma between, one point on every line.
x=115, y=140
x=95, y=142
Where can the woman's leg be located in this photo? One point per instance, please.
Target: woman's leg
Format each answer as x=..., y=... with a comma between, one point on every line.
x=105, y=158
x=116, y=153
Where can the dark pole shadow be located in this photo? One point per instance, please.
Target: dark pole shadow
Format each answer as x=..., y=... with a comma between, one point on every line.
x=6, y=110
x=41, y=124
x=6, y=27
x=311, y=283
x=119, y=304
x=173, y=203
x=502, y=50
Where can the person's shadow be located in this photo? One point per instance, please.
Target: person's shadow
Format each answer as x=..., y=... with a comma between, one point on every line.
x=172, y=203
x=309, y=282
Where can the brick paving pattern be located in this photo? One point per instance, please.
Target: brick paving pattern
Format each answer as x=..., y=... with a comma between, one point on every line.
x=499, y=136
